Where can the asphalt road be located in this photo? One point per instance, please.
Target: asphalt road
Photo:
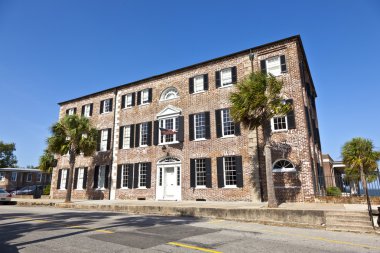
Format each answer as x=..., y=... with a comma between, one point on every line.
x=42, y=229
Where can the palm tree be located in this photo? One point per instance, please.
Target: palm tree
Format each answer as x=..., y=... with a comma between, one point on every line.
x=47, y=161
x=255, y=102
x=360, y=157
x=73, y=135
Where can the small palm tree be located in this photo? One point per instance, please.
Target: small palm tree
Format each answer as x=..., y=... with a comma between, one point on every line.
x=47, y=162
x=73, y=135
x=255, y=102
x=360, y=157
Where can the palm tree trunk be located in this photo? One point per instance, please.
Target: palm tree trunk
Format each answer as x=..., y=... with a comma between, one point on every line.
x=272, y=201
x=363, y=179
x=71, y=176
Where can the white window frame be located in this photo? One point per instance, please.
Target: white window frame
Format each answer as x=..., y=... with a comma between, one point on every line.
x=70, y=111
x=128, y=100
x=2, y=176
x=102, y=175
x=63, y=179
x=273, y=123
x=104, y=140
x=224, y=174
x=127, y=137
x=199, y=81
x=162, y=124
x=27, y=177
x=144, y=126
x=169, y=91
x=107, y=106
x=14, y=176
x=144, y=97
x=283, y=169
x=196, y=174
x=223, y=72
x=140, y=176
x=222, y=123
x=204, y=126
x=80, y=178
x=38, y=177
x=270, y=68
x=124, y=171
x=87, y=110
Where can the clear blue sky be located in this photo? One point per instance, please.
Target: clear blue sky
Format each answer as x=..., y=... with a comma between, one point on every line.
x=52, y=51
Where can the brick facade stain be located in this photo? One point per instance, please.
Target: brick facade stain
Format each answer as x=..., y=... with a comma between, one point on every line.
x=303, y=147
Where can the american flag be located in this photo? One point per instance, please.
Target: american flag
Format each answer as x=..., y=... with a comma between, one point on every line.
x=165, y=131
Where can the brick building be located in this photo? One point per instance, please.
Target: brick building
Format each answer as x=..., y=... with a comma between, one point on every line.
x=170, y=136
x=16, y=178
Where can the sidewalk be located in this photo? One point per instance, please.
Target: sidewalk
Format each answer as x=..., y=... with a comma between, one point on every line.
x=309, y=215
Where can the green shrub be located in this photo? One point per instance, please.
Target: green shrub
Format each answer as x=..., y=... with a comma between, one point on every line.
x=333, y=191
x=46, y=190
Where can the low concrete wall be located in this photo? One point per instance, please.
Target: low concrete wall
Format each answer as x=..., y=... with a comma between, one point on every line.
x=279, y=217
x=348, y=200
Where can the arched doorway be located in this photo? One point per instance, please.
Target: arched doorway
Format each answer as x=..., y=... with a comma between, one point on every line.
x=168, y=179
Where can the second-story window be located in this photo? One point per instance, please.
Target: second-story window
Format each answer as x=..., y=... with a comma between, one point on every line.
x=274, y=65
x=87, y=110
x=168, y=130
x=106, y=106
x=104, y=139
x=71, y=111
x=144, y=96
x=144, y=134
x=228, y=126
x=226, y=77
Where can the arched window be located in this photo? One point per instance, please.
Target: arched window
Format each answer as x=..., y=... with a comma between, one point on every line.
x=283, y=166
x=169, y=93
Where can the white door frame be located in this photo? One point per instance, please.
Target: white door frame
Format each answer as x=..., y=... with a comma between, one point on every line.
x=160, y=189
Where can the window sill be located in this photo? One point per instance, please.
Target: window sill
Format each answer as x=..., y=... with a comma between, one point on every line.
x=227, y=136
x=199, y=92
x=284, y=170
x=61, y=189
x=79, y=189
x=102, y=151
x=144, y=104
x=168, y=143
x=123, y=188
x=200, y=187
x=142, y=188
x=105, y=113
x=100, y=189
x=280, y=131
x=200, y=139
x=126, y=108
x=225, y=86
x=230, y=187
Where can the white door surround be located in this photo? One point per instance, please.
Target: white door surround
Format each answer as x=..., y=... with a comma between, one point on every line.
x=168, y=179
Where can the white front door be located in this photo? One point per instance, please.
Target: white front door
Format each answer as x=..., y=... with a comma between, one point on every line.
x=169, y=183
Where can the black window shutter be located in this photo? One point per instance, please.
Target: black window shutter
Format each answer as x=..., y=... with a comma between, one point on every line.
x=263, y=65
x=75, y=178
x=149, y=141
x=96, y=175
x=137, y=137
x=109, y=139
x=67, y=179
x=192, y=173
x=59, y=178
x=291, y=117
x=308, y=120
x=156, y=132
x=67, y=112
x=91, y=108
x=136, y=176
x=148, y=174
x=208, y=173
x=133, y=98
x=150, y=95
x=191, y=85
x=181, y=129
x=220, y=171
x=118, y=177
x=99, y=139
x=234, y=74
x=139, y=98
x=111, y=104
x=239, y=171
x=207, y=125
x=75, y=110
x=237, y=128
x=106, y=176
x=101, y=106
x=217, y=79
x=130, y=176
x=82, y=110
x=132, y=138
x=283, y=63
x=123, y=101
x=218, y=119
x=205, y=81
x=191, y=127
x=121, y=135
x=85, y=178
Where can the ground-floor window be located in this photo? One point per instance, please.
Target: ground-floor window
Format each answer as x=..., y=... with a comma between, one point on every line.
x=102, y=177
x=80, y=178
x=2, y=176
x=200, y=172
x=14, y=176
x=142, y=175
x=29, y=177
x=64, y=173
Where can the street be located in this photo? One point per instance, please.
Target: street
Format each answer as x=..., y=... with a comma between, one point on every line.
x=44, y=229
